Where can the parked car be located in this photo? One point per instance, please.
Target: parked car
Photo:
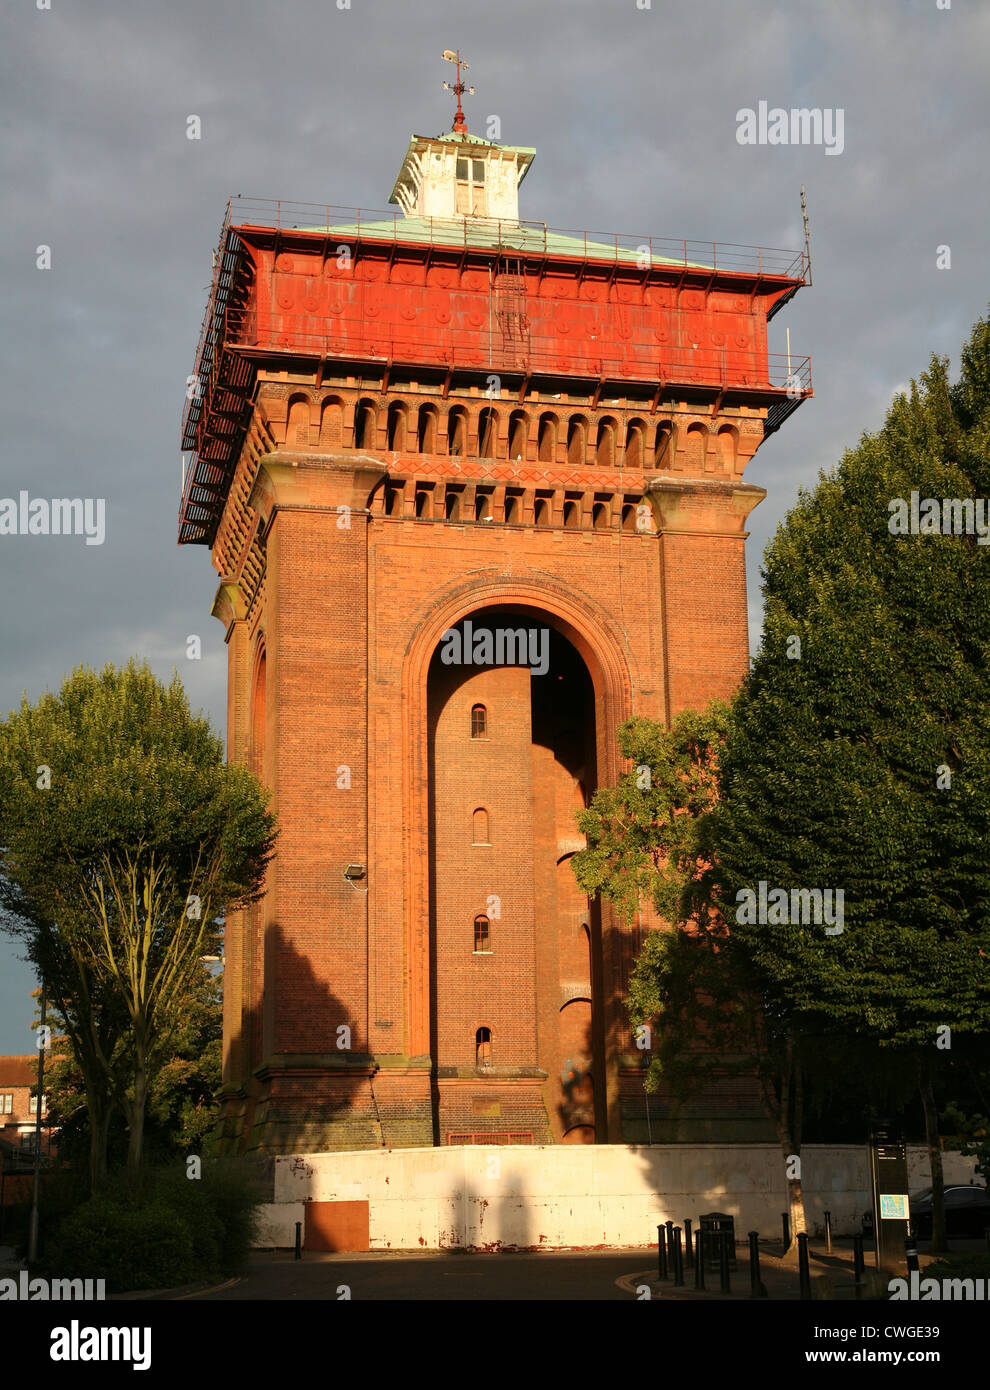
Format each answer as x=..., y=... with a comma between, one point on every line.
x=967, y=1212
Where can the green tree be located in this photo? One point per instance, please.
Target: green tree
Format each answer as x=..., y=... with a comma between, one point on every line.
x=123, y=837
x=182, y=1108
x=708, y=1009
x=858, y=757
x=183, y=1101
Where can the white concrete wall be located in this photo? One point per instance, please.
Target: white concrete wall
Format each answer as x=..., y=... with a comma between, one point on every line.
x=564, y=1196
x=277, y=1225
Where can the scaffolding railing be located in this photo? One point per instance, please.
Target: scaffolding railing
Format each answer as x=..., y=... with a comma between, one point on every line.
x=458, y=350
x=522, y=235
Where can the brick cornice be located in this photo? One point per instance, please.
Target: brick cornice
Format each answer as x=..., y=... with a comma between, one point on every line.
x=703, y=506
x=229, y=604
x=322, y=481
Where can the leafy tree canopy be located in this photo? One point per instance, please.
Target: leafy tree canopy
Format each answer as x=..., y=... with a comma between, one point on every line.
x=863, y=764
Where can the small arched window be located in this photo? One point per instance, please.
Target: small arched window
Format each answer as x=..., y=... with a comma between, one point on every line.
x=511, y=509
x=518, y=431
x=727, y=444
x=572, y=519
x=482, y=506
x=605, y=447
x=697, y=440
x=487, y=432
x=452, y=504
x=426, y=430
x=482, y=938
x=456, y=433
x=634, y=445
x=483, y=1047
x=548, y=439
x=396, y=426
x=663, y=453
x=575, y=441
x=332, y=422
x=365, y=425
x=479, y=827
x=599, y=516
x=297, y=428
x=479, y=721
x=541, y=512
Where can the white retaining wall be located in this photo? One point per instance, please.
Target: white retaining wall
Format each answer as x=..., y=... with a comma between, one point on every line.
x=489, y=1198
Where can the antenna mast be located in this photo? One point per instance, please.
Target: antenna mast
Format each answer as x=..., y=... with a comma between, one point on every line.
x=807, y=238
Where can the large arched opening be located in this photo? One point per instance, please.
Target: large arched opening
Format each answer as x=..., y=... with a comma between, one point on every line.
x=511, y=717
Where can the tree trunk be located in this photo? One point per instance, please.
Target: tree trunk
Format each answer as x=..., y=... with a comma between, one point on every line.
x=135, y=1113
x=97, y=1150
x=939, y=1244
x=106, y=1115
x=795, y=1193
x=789, y=1137
x=98, y=1111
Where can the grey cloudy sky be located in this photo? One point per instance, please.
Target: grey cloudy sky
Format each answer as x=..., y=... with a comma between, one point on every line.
x=633, y=114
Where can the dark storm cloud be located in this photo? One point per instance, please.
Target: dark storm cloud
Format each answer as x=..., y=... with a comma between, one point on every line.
x=632, y=112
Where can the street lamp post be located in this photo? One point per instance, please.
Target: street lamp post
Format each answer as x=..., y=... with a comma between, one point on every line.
x=33, y=1226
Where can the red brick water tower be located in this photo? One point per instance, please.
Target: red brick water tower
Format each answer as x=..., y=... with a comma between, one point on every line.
x=402, y=424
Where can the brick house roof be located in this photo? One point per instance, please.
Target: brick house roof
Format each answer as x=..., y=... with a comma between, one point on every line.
x=19, y=1071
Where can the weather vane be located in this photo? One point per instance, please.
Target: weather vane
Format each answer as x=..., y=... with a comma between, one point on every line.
x=460, y=124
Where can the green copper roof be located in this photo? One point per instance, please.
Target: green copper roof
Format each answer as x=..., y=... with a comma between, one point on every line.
x=495, y=236
x=464, y=137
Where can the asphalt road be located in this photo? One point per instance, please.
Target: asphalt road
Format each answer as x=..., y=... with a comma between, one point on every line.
x=436, y=1277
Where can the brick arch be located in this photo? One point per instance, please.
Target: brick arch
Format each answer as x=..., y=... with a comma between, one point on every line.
x=606, y=441
x=427, y=426
x=457, y=424
x=577, y=440
x=548, y=431
x=297, y=420
x=489, y=425
x=517, y=440
x=635, y=446
x=599, y=644
x=397, y=425
x=332, y=421
x=696, y=445
x=665, y=445
x=365, y=432
x=259, y=707
x=728, y=447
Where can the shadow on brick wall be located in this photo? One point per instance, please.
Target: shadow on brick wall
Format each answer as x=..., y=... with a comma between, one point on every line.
x=315, y=1098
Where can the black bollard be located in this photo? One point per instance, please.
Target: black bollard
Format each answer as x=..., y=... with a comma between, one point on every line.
x=662, y=1252
x=804, y=1269
x=785, y=1222
x=756, y=1289
x=911, y=1251
x=859, y=1264
x=678, y=1260
x=688, y=1243
x=723, y=1261
x=828, y=1233
x=670, y=1245
x=298, y=1240
x=699, y=1262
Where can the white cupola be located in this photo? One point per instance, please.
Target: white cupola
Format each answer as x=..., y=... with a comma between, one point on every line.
x=461, y=175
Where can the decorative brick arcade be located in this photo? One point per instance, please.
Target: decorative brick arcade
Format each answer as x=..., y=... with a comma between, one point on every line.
x=400, y=424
